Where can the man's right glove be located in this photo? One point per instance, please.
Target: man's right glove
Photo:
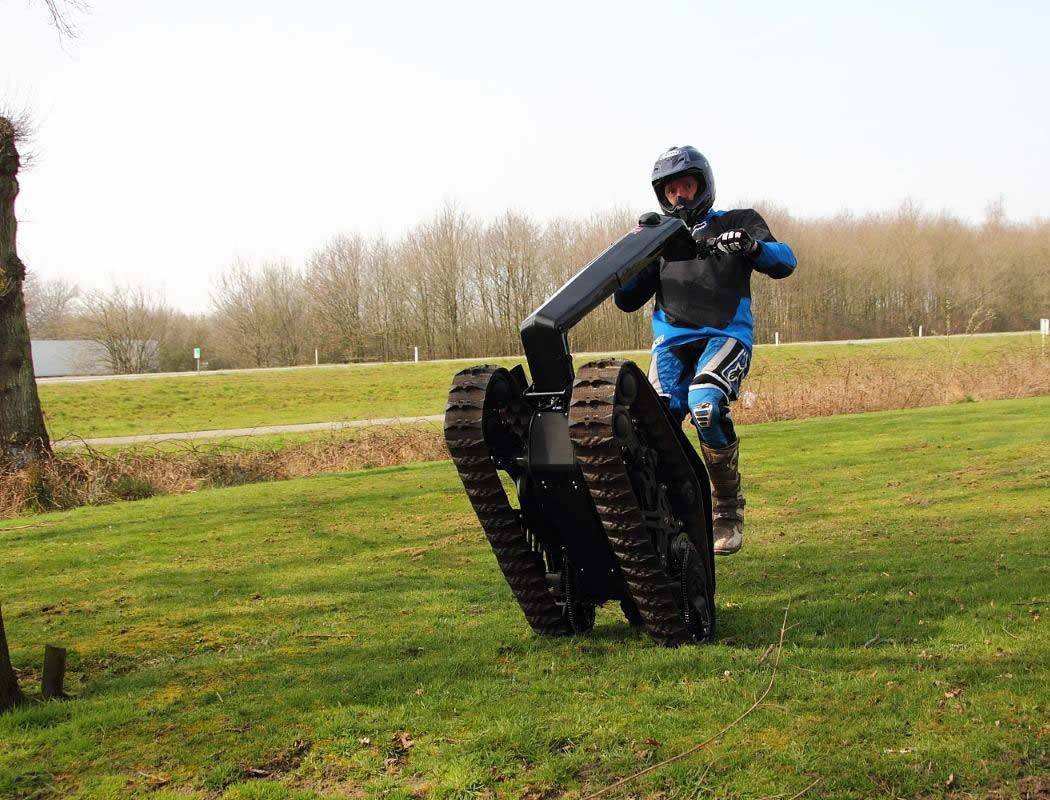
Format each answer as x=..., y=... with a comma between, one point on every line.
x=731, y=243
x=736, y=243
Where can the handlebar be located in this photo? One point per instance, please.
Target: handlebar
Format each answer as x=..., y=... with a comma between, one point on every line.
x=707, y=247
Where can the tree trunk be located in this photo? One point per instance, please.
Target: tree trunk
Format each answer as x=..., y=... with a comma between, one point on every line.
x=10, y=695
x=23, y=438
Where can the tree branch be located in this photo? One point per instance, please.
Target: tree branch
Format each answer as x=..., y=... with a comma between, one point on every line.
x=61, y=12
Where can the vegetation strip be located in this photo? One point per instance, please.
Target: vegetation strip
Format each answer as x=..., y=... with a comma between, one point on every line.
x=90, y=476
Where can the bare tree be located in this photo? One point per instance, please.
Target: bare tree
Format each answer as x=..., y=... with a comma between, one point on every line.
x=238, y=307
x=505, y=274
x=333, y=280
x=389, y=327
x=129, y=323
x=441, y=248
x=49, y=306
x=287, y=312
x=23, y=437
x=263, y=316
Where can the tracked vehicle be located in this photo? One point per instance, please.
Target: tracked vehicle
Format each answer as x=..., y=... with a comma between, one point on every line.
x=614, y=504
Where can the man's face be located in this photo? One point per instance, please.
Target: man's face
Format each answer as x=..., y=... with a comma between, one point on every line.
x=681, y=189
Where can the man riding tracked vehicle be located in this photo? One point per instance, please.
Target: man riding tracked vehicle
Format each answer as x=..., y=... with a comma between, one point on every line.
x=702, y=322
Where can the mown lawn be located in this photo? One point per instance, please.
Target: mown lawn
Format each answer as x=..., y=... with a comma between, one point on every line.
x=350, y=635
x=222, y=401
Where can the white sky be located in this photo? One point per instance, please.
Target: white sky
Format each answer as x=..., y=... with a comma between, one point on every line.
x=172, y=138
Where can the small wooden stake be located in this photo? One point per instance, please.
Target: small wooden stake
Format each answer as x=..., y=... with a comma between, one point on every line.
x=54, y=675
x=10, y=694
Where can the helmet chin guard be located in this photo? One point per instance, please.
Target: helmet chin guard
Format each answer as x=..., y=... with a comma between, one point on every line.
x=685, y=160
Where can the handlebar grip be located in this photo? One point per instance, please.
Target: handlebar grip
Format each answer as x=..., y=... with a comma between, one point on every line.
x=706, y=247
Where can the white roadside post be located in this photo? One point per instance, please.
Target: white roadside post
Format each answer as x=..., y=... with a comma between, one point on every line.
x=197, y=357
x=1044, y=329
x=920, y=331
x=776, y=338
x=316, y=358
x=416, y=354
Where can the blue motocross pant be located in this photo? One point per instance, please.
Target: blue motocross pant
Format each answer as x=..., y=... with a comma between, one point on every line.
x=701, y=378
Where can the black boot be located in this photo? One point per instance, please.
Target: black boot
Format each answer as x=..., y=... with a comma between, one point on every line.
x=728, y=500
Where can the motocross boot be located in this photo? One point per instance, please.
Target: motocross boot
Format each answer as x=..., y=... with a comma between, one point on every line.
x=728, y=500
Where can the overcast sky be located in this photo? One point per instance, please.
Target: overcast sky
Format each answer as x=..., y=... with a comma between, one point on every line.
x=172, y=138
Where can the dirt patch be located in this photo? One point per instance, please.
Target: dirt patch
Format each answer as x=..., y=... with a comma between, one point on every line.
x=286, y=761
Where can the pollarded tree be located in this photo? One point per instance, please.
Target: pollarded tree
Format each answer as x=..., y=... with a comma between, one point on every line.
x=23, y=437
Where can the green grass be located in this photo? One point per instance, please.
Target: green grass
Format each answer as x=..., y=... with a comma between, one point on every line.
x=223, y=401
x=299, y=629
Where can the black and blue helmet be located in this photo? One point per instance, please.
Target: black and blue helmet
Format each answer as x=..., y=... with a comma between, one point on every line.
x=685, y=160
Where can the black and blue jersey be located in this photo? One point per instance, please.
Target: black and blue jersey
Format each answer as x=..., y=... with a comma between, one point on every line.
x=700, y=298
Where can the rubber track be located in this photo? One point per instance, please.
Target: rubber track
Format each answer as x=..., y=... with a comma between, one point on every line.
x=598, y=451
x=521, y=565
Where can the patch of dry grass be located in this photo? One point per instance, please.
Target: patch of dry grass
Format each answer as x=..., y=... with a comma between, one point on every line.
x=844, y=387
x=92, y=477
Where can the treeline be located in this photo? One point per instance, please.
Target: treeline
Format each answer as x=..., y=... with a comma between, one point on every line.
x=887, y=274
x=456, y=286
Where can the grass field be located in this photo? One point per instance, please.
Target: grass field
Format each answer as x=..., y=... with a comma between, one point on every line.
x=209, y=402
x=350, y=635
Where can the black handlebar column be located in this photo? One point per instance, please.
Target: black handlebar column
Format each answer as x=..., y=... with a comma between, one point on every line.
x=544, y=334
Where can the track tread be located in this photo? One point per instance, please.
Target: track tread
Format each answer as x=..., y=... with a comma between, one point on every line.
x=521, y=565
x=594, y=406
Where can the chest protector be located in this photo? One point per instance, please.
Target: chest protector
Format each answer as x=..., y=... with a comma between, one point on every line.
x=705, y=292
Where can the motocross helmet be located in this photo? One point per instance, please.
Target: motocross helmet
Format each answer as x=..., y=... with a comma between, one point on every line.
x=685, y=160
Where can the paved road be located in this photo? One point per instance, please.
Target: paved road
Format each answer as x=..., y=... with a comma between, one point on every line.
x=480, y=359
x=232, y=432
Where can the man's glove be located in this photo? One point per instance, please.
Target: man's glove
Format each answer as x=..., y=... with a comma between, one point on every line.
x=736, y=243
x=730, y=243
